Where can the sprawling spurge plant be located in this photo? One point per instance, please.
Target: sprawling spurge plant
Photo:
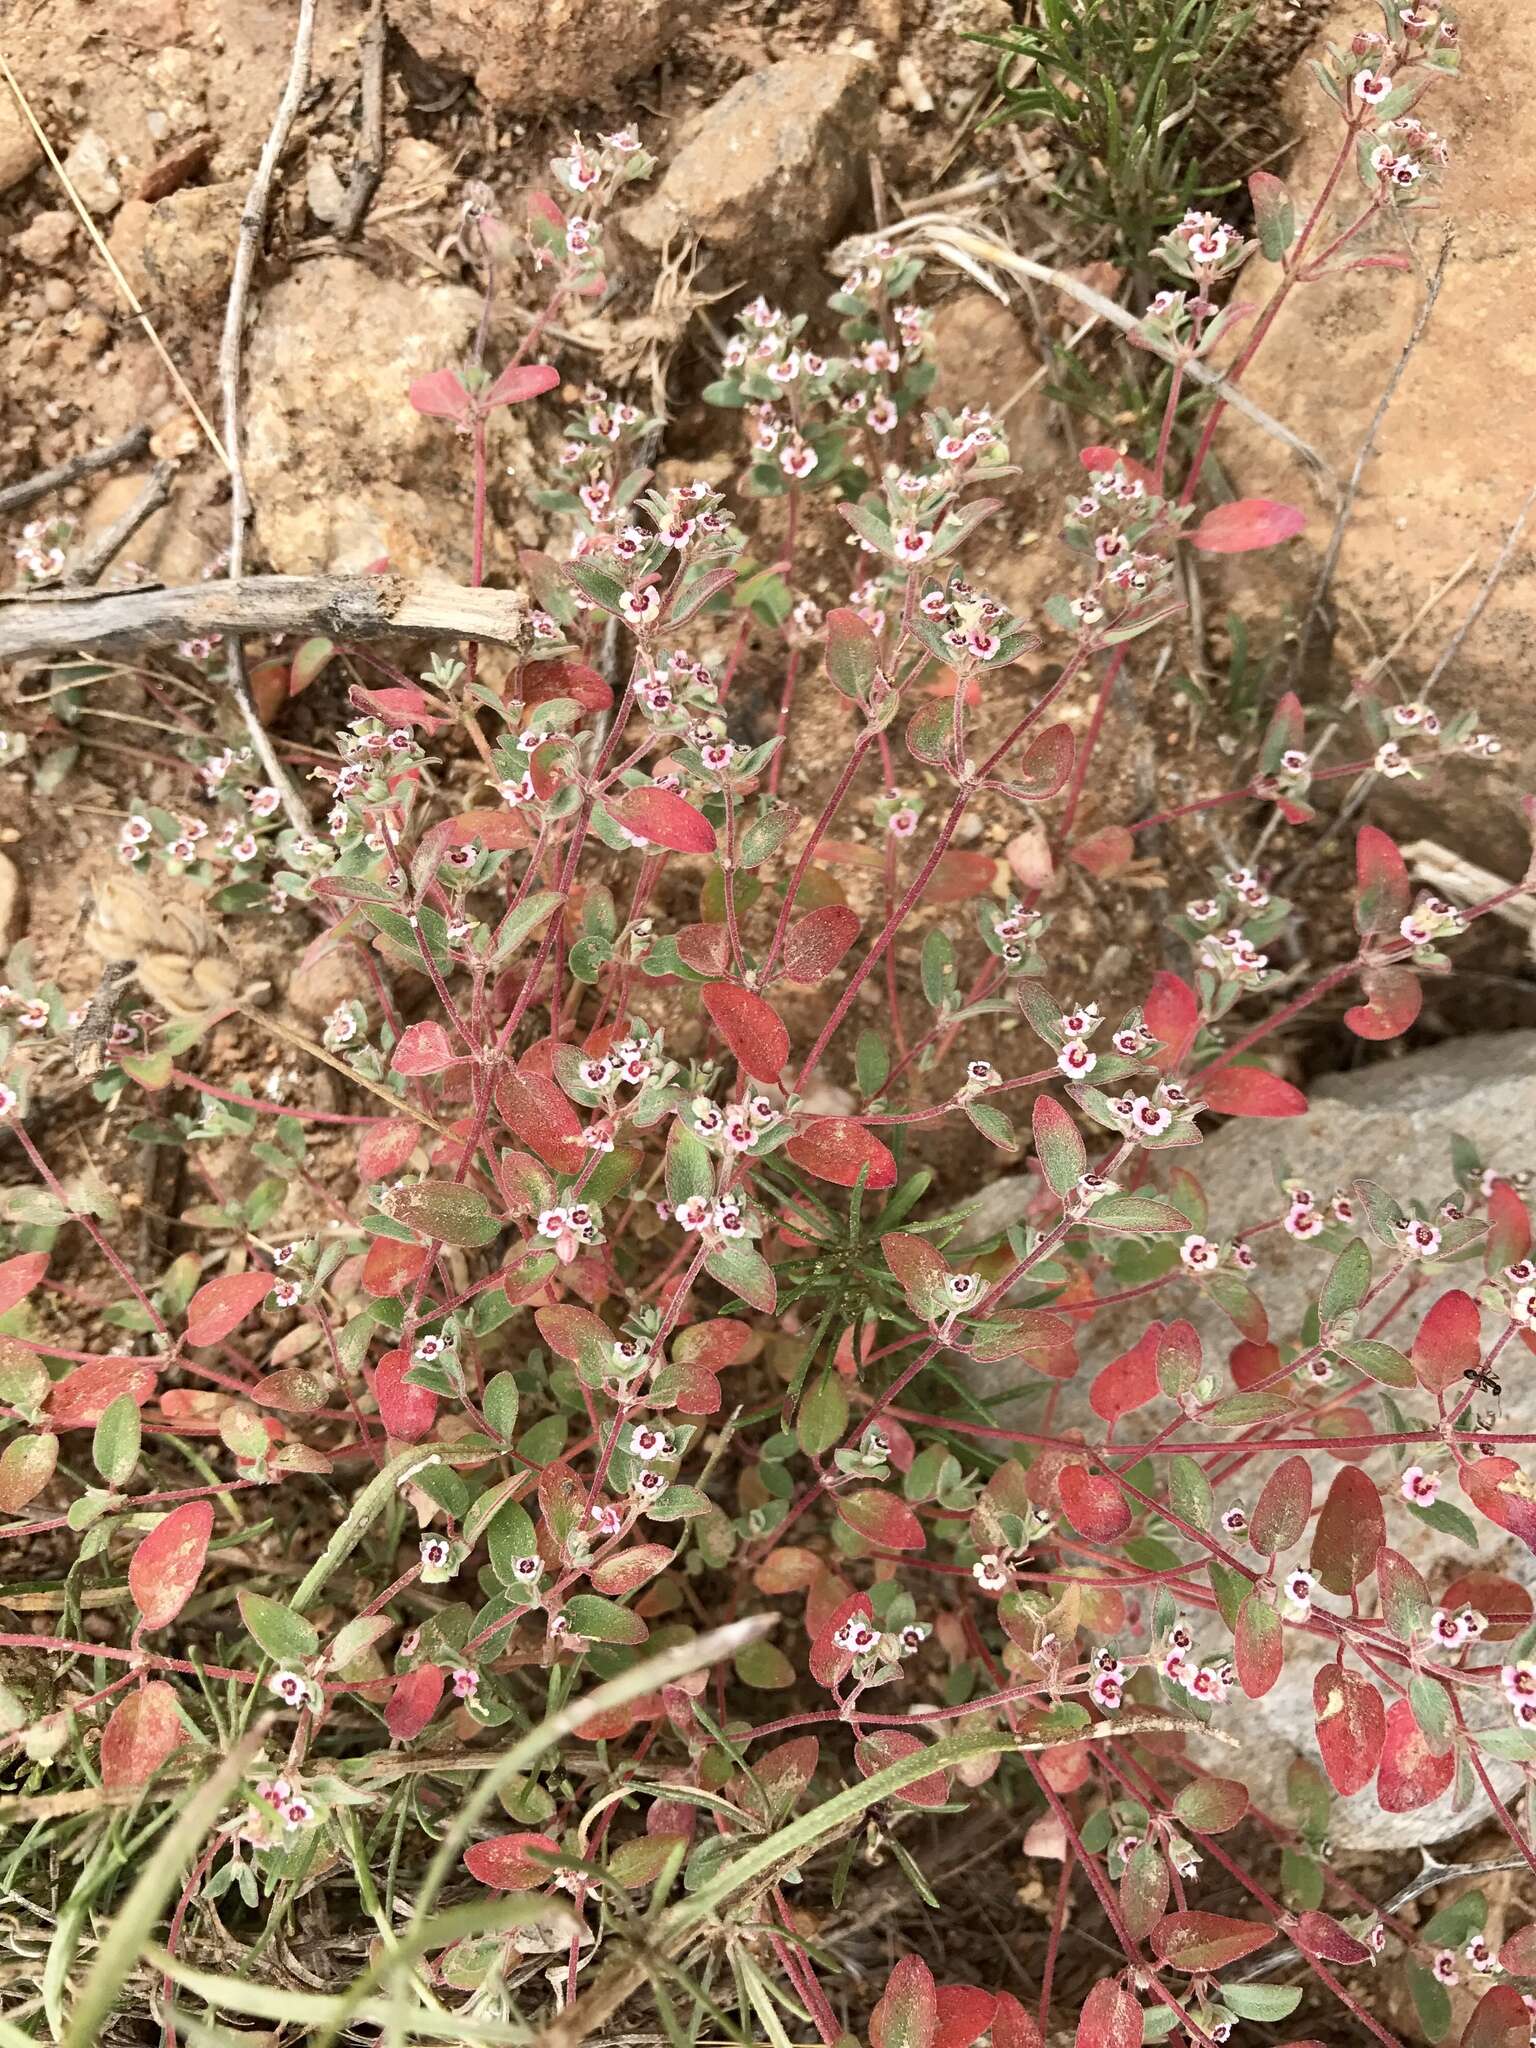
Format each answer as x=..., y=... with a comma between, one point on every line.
x=645, y=1372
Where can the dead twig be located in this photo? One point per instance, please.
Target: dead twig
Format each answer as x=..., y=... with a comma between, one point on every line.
x=252, y=223
x=15, y=497
x=1352, y=489
x=88, y=1047
x=973, y=251
x=368, y=171
x=342, y=607
x=94, y=562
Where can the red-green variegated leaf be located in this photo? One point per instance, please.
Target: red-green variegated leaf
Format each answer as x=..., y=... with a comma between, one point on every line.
x=1259, y=1645
x=1411, y=1774
x=829, y=1661
x=907, y=2015
x=628, y=1570
x=1351, y=1727
x=1283, y=1508
x=1208, y=1941
x=82, y=1397
x=1249, y=1091
x=544, y=681
x=1246, y=524
x=407, y=1412
x=882, y=1518
x=883, y=1747
x=164, y=1570
x=1351, y=1528
x=1449, y=1342
x=1093, y=1504
x=1381, y=882
x=664, y=818
x=1058, y=1145
x=1046, y=765
x=26, y=1465
x=838, y=1149
x=1211, y=1805
x=853, y=653
x=750, y=1027
x=816, y=942
x=1505, y=1494
x=1319, y=1934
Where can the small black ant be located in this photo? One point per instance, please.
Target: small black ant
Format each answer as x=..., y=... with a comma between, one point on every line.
x=1485, y=1377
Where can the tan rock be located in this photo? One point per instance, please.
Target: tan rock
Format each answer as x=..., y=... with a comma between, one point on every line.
x=527, y=55
x=985, y=360
x=189, y=243
x=46, y=238
x=773, y=169
x=13, y=904
x=88, y=168
x=20, y=150
x=342, y=470
x=1453, y=461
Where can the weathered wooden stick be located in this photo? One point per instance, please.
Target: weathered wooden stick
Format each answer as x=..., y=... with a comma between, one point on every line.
x=342, y=607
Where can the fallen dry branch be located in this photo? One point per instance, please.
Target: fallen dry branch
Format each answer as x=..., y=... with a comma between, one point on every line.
x=15, y=497
x=342, y=607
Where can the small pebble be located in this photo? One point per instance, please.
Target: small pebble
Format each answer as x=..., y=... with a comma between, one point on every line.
x=59, y=294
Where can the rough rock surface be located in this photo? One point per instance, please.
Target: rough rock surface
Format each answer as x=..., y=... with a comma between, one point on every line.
x=1447, y=478
x=772, y=170
x=1390, y=1123
x=13, y=904
x=528, y=55
x=179, y=252
x=330, y=433
x=20, y=150
x=88, y=168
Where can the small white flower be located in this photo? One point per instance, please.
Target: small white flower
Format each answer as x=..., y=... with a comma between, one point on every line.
x=1299, y=1587
x=1199, y=1254
x=646, y=1442
x=1419, y=1488
x=990, y=1573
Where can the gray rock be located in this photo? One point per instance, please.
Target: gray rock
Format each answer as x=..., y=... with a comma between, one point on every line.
x=1390, y=1123
x=773, y=169
x=89, y=169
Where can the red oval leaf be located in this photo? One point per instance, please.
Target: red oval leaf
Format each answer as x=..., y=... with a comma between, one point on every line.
x=504, y=1862
x=665, y=819
x=1393, y=999
x=1319, y=1934
x=440, y=395
x=1351, y=1727
x=19, y=1276
x=1207, y=1941
x=1094, y=1505
x=882, y=1747
x=1250, y=1091
x=1246, y=524
x=391, y=1267
x=424, y=1048
x=1411, y=1775
x=406, y=1412
x=965, y=2014
x=1283, y=1508
x=1046, y=765
x=1130, y=1381
x=1449, y=1343
x=144, y=1730
x=163, y=1572
x=836, y=1149
x=83, y=1396
x=1012, y=2026
x=413, y=1703
x=1104, y=854
x=1172, y=1014
x=1110, y=2018
x=750, y=1027
x=816, y=942
x=222, y=1305
x=1500, y=2021
x=384, y=1147
x=1382, y=888
x=521, y=381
